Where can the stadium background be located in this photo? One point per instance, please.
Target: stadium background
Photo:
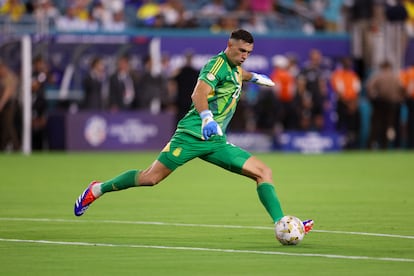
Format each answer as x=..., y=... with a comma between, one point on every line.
x=69, y=52
x=202, y=220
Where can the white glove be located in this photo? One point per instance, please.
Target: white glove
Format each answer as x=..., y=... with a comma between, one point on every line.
x=261, y=79
x=209, y=127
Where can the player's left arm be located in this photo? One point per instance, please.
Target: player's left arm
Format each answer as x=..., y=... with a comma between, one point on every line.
x=257, y=78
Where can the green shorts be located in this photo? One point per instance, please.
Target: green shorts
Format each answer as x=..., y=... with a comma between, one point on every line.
x=184, y=147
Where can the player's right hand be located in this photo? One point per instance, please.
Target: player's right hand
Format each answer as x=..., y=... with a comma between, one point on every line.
x=209, y=127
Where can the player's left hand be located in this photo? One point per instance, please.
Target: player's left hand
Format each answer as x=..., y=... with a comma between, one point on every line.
x=261, y=79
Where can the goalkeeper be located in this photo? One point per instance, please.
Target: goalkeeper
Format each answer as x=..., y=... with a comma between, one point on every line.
x=201, y=133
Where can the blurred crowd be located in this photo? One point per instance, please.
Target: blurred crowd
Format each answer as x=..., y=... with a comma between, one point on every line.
x=217, y=15
x=306, y=97
x=309, y=94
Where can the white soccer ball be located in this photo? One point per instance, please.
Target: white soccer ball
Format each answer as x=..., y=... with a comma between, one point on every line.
x=289, y=230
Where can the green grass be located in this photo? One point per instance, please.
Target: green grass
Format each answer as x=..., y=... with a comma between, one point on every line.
x=364, y=192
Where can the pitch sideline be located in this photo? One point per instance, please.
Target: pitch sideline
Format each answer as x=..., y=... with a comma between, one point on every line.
x=196, y=225
x=330, y=256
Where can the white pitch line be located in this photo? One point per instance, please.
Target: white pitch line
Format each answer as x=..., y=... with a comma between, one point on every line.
x=197, y=225
x=330, y=256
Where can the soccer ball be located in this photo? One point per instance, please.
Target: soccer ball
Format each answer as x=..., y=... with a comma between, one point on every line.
x=289, y=230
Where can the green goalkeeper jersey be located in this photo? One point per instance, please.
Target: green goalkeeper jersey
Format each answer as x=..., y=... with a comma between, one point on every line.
x=225, y=80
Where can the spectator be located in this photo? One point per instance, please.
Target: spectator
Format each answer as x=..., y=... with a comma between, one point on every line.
x=40, y=78
x=347, y=86
x=81, y=9
x=93, y=84
x=409, y=7
x=8, y=105
x=46, y=11
x=395, y=36
x=173, y=13
x=407, y=77
x=117, y=24
x=110, y=15
x=215, y=8
x=123, y=86
x=293, y=66
x=266, y=114
x=225, y=24
x=316, y=75
x=362, y=23
x=255, y=23
x=386, y=94
x=15, y=9
x=184, y=80
x=28, y=5
x=113, y=6
x=101, y=14
x=153, y=88
x=149, y=14
x=264, y=6
x=284, y=90
x=76, y=18
x=243, y=8
x=307, y=119
x=333, y=14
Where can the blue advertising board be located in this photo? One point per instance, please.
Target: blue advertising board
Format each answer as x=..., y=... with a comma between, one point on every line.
x=118, y=131
x=310, y=142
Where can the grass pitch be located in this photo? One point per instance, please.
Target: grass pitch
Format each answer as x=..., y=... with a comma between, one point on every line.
x=203, y=220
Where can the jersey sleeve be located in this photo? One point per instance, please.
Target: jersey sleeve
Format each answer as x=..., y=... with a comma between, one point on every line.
x=210, y=72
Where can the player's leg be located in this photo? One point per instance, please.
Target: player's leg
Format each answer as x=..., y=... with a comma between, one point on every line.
x=262, y=174
x=132, y=178
x=239, y=161
x=174, y=154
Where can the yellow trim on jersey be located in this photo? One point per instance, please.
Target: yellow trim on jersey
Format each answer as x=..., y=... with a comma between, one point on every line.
x=211, y=93
x=214, y=70
x=217, y=65
x=166, y=148
x=240, y=70
x=233, y=102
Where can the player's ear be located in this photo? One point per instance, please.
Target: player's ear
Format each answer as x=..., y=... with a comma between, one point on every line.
x=230, y=43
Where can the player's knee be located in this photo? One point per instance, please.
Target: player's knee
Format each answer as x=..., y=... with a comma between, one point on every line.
x=149, y=182
x=148, y=179
x=153, y=181
x=265, y=174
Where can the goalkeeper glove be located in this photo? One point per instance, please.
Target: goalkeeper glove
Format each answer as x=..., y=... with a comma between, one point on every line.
x=209, y=127
x=261, y=79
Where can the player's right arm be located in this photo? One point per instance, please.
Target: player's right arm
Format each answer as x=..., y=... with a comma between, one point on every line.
x=209, y=126
x=200, y=94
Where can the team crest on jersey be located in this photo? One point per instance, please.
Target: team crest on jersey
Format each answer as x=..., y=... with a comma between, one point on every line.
x=211, y=77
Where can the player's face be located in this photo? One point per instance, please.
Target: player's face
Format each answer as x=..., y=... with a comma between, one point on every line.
x=238, y=51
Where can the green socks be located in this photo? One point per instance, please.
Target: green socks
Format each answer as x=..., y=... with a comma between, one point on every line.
x=268, y=197
x=123, y=181
x=128, y=179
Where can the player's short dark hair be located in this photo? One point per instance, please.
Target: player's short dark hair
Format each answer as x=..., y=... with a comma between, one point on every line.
x=241, y=34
